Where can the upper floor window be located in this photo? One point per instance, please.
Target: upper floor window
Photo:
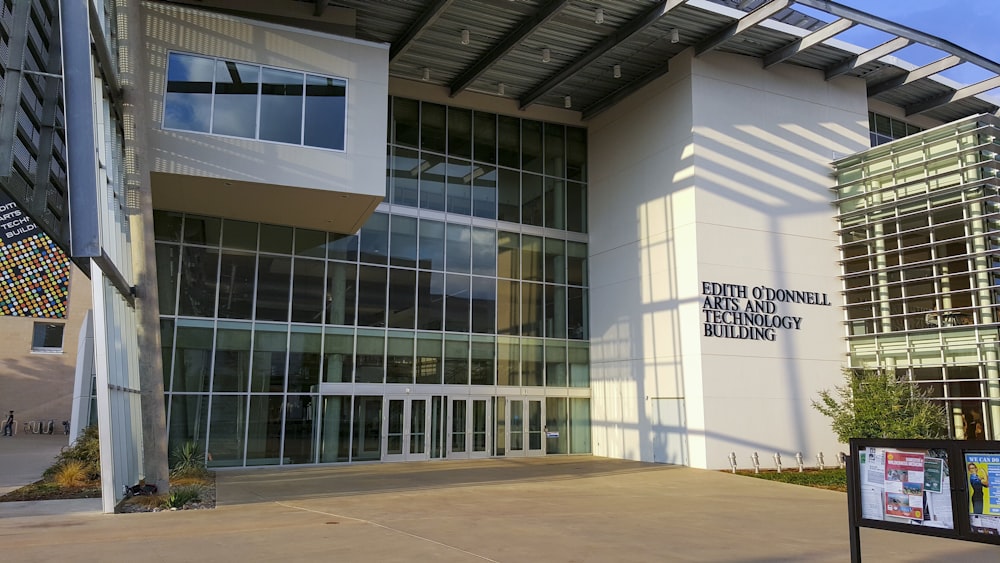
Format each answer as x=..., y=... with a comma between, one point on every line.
x=47, y=337
x=236, y=99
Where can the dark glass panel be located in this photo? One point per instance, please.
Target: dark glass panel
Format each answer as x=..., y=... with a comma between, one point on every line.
x=192, y=356
x=576, y=313
x=576, y=207
x=188, y=421
x=432, y=127
x=304, y=358
x=167, y=261
x=403, y=241
x=341, y=293
x=188, y=101
x=555, y=364
x=532, y=362
x=370, y=360
x=232, y=357
x=459, y=132
x=276, y=238
x=229, y=418
x=375, y=239
x=433, y=176
x=404, y=174
x=335, y=443
x=484, y=305
x=485, y=137
x=508, y=361
x=508, y=141
x=430, y=300
x=456, y=359
x=274, y=275
x=240, y=235
x=167, y=349
x=509, y=195
x=310, y=243
x=457, y=304
x=484, y=249
x=342, y=247
x=270, y=354
x=236, y=277
x=431, y=251
x=367, y=440
x=508, y=255
x=399, y=357
x=483, y=364
x=555, y=311
x=199, y=272
x=532, y=309
x=326, y=112
x=508, y=307
x=555, y=203
x=406, y=122
x=555, y=261
x=402, y=298
x=556, y=427
x=299, y=429
x=555, y=150
x=532, y=200
x=576, y=154
x=429, y=364
x=531, y=146
x=167, y=225
x=532, y=258
x=202, y=230
x=460, y=175
x=371, y=295
x=281, y=106
x=338, y=355
x=576, y=263
x=484, y=193
x=235, y=104
x=458, y=253
x=578, y=357
x=264, y=435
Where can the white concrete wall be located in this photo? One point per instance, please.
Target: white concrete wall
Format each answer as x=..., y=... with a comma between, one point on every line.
x=724, y=169
x=359, y=170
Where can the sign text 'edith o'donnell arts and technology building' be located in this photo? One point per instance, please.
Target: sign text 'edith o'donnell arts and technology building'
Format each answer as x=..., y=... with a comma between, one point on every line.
x=751, y=312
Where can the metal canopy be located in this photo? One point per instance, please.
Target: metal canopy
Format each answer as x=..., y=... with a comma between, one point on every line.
x=589, y=54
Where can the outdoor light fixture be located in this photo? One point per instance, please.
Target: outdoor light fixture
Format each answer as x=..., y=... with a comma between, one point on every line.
x=567, y=102
x=500, y=89
x=427, y=74
x=675, y=35
x=465, y=37
x=616, y=71
x=546, y=55
x=599, y=15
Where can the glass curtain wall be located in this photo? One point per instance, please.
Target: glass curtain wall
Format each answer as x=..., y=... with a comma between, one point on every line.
x=472, y=274
x=920, y=229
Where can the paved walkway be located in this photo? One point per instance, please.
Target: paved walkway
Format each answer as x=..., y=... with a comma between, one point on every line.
x=24, y=457
x=541, y=509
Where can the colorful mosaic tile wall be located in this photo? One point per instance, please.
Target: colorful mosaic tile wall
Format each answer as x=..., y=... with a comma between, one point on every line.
x=34, y=272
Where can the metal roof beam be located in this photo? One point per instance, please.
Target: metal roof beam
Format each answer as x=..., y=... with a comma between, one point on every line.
x=423, y=21
x=902, y=31
x=739, y=26
x=914, y=75
x=861, y=59
x=959, y=94
x=509, y=42
x=625, y=91
x=621, y=34
x=803, y=43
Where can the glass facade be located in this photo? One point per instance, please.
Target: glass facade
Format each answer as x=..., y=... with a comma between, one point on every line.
x=919, y=230
x=447, y=326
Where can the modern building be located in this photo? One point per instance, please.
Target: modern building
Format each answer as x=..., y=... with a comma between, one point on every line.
x=361, y=231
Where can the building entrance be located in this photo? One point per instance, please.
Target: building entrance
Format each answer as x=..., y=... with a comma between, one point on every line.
x=519, y=426
x=405, y=424
x=468, y=427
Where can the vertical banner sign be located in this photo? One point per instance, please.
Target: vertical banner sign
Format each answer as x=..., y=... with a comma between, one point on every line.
x=34, y=272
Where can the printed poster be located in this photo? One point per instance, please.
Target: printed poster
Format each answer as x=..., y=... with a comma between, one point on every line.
x=904, y=485
x=983, y=474
x=911, y=486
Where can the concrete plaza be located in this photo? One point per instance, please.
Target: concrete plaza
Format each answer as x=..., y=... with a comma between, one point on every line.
x=537, y=509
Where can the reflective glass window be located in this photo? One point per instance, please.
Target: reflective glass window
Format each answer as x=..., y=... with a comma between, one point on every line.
x=459, y=132
x=428, y=359
x=508, y=361
x=235, y=111
x=370, y=360
x=239, y=235
x=375, y=239
x=199, y=271
x=484, y=192
x=485, y=137
x=192, y=356
x=299, y=417
x=508, y=141
x=431, y=250
x=555, y=364
x=484, y=245
x=403, y=177
x=325, y=112
x=188, y=420
x=403, y=241
x=508, y=307
x=308, y=282
x=483, y=363
x=459, y=189
x=232, y=357
x=281, y=105
x=456, y=359
x=458, y=252
x=399, y=357
x=188, y=102
x=430, y=300
x=338, y=355
x=555, y=150
x=341, y=292
x=484, y=305
x=531, y=146
x=264, y=435
x=532, y=201
x=402, y=298
x=457, y=303
x=270, y=354
x=508, y=195
x=372, y=291
x=406, y=122
x=274, y=275
x=304, y=358
x=432, y=127
x=532, y=309
x=226, y=435
x=310, y=243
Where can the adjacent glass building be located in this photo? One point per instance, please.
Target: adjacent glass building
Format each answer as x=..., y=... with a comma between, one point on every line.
x=453, y=325
x=919, y=222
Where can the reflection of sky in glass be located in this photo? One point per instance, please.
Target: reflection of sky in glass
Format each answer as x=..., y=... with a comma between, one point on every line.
x=240, y=87
x=325, y=112
x=188, y=103
x=281, y=106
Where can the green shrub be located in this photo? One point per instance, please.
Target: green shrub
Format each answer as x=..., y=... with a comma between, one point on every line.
x=86, y=450
x=187, y=461
x=180, y=496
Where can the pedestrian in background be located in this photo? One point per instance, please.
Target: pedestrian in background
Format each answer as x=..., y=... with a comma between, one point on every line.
x=8, y=425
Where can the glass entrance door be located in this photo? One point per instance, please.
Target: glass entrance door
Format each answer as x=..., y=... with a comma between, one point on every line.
x=469, y=425
x=405, y=421
x=523, y=426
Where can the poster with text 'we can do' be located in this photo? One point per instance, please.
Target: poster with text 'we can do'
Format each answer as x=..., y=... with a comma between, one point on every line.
x=983, y=477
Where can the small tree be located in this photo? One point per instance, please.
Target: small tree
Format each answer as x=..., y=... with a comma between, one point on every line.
x=875, y=404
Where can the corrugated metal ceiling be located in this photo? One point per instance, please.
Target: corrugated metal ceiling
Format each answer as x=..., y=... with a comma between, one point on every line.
x=507, y=38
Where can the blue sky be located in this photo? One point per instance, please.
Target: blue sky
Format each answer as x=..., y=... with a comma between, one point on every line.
x=972, y=24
